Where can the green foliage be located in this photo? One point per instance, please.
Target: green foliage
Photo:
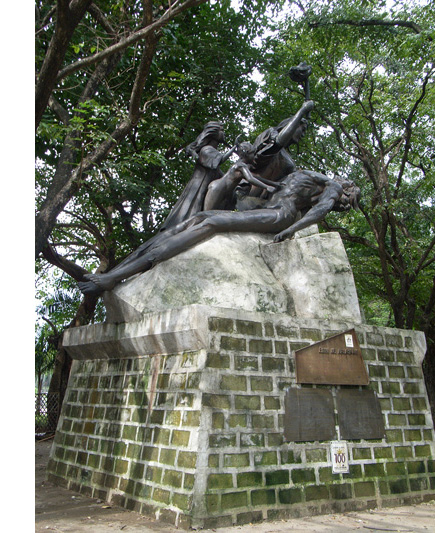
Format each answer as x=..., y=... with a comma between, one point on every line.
x=373, y=85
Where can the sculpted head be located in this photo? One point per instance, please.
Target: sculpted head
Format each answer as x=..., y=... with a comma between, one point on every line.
x=350, y=196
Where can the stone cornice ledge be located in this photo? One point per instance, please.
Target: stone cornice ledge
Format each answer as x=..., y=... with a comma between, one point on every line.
x=186, y=329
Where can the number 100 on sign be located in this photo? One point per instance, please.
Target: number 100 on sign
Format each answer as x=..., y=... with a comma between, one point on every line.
x=339, y=457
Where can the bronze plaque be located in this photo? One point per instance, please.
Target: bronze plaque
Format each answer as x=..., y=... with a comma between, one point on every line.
x=309, y=415
x=359, y=415
x=334, y=361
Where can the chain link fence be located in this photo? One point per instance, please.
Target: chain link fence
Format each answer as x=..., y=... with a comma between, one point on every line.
x=47, y=410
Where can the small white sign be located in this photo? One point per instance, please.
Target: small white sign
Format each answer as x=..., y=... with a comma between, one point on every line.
x=349, y=341
x=339, y=457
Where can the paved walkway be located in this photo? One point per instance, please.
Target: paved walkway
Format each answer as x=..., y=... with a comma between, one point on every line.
x=61, y=510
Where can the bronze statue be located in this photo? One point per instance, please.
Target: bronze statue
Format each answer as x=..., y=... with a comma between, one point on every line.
x=304, y=192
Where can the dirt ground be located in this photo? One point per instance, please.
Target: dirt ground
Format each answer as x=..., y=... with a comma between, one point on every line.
x=61, y=510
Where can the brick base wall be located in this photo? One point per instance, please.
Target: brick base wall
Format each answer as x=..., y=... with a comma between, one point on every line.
x=196, y=437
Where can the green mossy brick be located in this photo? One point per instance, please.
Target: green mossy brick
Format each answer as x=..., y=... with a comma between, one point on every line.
x=233, y=383
x=274, y=440
x=414, y=372
x=413, y=435
x=220, y=481
x=222, y=441
x=394, y=435
x=163, y=381
x=173, y=478
x=161, y=495
x=233, y=344
x=251, y=439
x=223, y=325
x=281, y=347
x=355, y=472
x=233, y=500
x=396, y=372
x=385, y=404
x=150, y=453
x=377, y=371
x=368, y=354
x=173, y=418
x=396, y=420
x=361, y=453
x=143, y=491
x=326, y=475
x=396, y=469
x=277, y=477
x=303, y=475
x=139, y=415
x=419, y=404
x=316, y=455
x=401, y=404
x=416, y=467
x=412, y=388
x=265, y=458
x=395, y=341
x=187, y=459
x=291, y=456
x=154, y=473
x=418, y=484
x=341, y=492
x=249, y=479
x=431, y=466
x=213, y=460
x=316, y=492
x=182, y=501
x=262, y=421
x=261, y=384
x=260, y=346
x=217, y=360
x=312, y=334
x=193, y=381
x=189, y=481
x=428, y=434
x=398, y=486
x=161, y=436
x=180, y=438
x=384, y=488
x=272, y=402
x=121, y=467
x=157, y=417
x=247, y=362
x=185, y=399
x=390, y=387
x=269, y=329
x=375, y=339
x=273, y=364
x=417, y=420
x=218, y=421
x=383, y=453
x=405, y=357
x=212, y=503
x=285, y=331
x=191, y=418
x=386, y=356
x=290, y=496
x=374, y=470
x=82, y=458
x=248, y=327
x=422, y=451
x=237, y=421
x=167, y=456
x=251, y=403
x=236, y=460
x=217, y=401
x=134, y=451
x=93, y=461
x=249, y=518
x=263, y=497
x=364, y=489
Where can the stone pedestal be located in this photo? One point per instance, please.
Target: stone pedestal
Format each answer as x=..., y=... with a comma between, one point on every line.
x=181, y=414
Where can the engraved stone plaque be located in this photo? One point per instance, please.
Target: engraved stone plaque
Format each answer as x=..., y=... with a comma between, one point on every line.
x=334, y=361
x=309, y=415
x=359, y=415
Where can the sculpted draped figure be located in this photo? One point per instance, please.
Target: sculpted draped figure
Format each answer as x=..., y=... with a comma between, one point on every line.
x=268, y=193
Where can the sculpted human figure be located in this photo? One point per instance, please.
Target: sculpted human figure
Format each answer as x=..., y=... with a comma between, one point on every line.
x=302, y=192
x=208, y=158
